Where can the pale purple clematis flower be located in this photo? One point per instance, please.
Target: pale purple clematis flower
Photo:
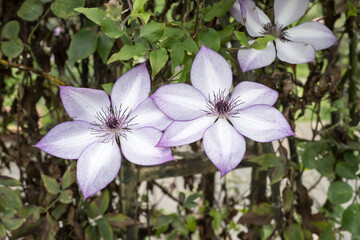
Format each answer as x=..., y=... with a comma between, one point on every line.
x=207, y=110
x=131, y=118
x=295, y=45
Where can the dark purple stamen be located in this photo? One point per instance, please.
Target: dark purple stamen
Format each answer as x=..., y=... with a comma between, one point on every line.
x=113, y=123
x=222, y=105
x=274, y=30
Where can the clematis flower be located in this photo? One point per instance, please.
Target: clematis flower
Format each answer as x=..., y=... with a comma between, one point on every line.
x=294, y=45
x=207, y=110
x=130, y=118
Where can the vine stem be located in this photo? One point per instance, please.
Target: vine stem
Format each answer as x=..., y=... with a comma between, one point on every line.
x=352, y=66
x=33, y=70
x=197, y=17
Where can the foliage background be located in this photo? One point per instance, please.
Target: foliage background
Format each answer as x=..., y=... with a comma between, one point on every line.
x=45, y=43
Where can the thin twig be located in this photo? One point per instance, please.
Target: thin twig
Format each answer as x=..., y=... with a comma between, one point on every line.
x=197, y=17
x=29, y=69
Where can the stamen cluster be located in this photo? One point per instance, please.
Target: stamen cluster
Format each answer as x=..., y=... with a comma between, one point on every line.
x=113, y=123
x=221, y=105
x=274, y=30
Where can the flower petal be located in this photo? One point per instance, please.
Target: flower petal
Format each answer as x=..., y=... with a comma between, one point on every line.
x=262, y=123
x=185, y=132
x=210, y=72
x=235, y=11
x=313, y=33
x=97, y=166
x=147, y=114
x=180, y=101
x=255, y=21
x=131, y=88
x=224, y=146
x=250, y=58
x=288, y=11
x=68, y=139
x=139, y=147
x=251, y=93
x=294, y=52
x=83, y=103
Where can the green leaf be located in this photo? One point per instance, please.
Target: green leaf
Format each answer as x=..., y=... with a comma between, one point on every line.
x=288, y=198
x=177, y=55
x=12, y=48
x=293, y=232
x=218, y=9
x=66, y=196
x=2, y=230
x=191, y=223
x=351, y=158
x=226, y=34
x=312, y=151
x=82, y=45
x=138, y=11
x=105, y=229
x=101, y=18
x=339, y=192
x=277, y=174
x=242, y=38
x=10, y=199
x=58, y=211
x=12, y=224
x=90, y=233
x=190, y=46
x=104, y=46
x=8, y=181
x=267, y=161
x=190, y=201
x=210, y=39
x=163, y=221
x=46, y=1
x=158, y=59
x=350, y=219
x=68, y=178
x=10, y=30
x=107, y=87
x=170, y=32
x=99, y=205
x=152, y=31
x=30, y=10
x=129, y=51
x=28, y=211
x=65, y=8
x=261, y=42
x=346, y=170
x=325, y=165
x=50, y=184
x=216, y=221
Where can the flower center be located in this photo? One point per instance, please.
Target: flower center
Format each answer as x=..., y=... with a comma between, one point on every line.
x=113, y=123
x=221, y=105
x=274, y=30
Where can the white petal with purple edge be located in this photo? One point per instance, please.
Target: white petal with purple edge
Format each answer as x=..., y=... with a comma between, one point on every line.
x=262, y=123
x=210, y=72
x=294, y=52
x=251, y=93
x=131, y=88
x=244, y=5
x=313, y=33
x=235, y=11
x=250, y=59
x=224, y=146
x=147, y=114
x=180, y=101
x=185, y=132
x=255, y=21
x=97, y=166
x=139, y=147
x=288, y=11
x=83, y=103
x=68, y=139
